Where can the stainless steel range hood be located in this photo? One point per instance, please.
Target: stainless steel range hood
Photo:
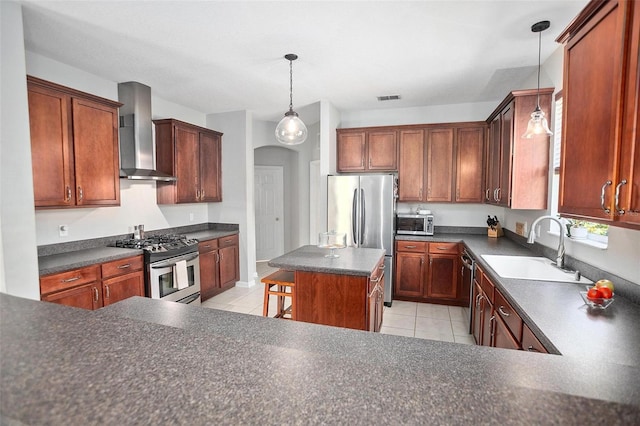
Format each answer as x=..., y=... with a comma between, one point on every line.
x=136, y=137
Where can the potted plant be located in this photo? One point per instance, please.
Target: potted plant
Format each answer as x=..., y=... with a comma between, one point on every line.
x=576, y=229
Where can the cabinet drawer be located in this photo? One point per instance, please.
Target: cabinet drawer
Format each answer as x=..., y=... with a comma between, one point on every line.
x=412, y=246
x=446, y=248
x=508, y=315
x=69, y=279
x=530, y=342
x=122, y=266
x=207, y=246
x=231, y=240
x=487, y=286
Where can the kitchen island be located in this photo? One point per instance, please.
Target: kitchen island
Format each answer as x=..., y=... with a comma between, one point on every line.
x=345, y=291
x=144, y=361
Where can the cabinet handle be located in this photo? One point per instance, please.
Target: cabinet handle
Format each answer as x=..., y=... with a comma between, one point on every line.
x=197, y=193
x=607, y=210
x=486, y=194
x=478, y=299
x=96, y=295
x=410, y=247
x=80, y=193
x=202, y=194
x=493, y=327
x=125, y=266
x=207, y=246
x=532, y=349
x=68, y=194
x=70, y=280
x=376, y=280
x=502, y=312
x=430, y=261
x=420, y=194
x=228, y=241
x=442, y=248
x=369, y=162
x=617, y=207
x=495, y=195
x=498, y=198
x=217, y=257
x=462, y=271
x=381, y=266
x=108, y=296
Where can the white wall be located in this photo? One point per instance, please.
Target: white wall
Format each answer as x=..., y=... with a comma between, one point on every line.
x=18, y=255
x=237, y=185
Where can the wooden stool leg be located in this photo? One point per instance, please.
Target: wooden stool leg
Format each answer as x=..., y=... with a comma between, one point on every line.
x=281, y=301
x=265, y=306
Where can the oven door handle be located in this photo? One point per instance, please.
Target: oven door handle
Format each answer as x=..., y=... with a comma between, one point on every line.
x=467, y=261
x=171, y=262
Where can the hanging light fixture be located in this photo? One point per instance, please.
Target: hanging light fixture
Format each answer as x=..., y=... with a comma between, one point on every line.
x=291, y=130
x=538, y=124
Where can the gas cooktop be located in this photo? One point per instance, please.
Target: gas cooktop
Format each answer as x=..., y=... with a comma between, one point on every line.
x=158, y=243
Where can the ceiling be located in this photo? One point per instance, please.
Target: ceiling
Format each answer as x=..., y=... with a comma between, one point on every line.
x=220, y=56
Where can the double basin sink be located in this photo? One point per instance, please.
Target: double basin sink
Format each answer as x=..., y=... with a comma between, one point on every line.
x=531, y=268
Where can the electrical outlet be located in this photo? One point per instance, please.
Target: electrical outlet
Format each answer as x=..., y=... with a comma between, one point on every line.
x=521, y=228
x=190, y=217
x=63, y=230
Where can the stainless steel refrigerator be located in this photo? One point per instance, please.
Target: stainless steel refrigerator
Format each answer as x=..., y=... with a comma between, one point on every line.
x=363, y=207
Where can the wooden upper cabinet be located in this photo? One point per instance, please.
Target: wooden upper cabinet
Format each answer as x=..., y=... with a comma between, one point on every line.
x=411, y=168
x=600, y=105
x=518, y=168
x=363, y=150
x=469, y=165
x=193, y=155
x=440, y=152
x=74, y=147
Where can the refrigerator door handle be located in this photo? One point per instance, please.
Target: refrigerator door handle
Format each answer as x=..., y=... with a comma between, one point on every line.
x=354, y=217
x=363, y=215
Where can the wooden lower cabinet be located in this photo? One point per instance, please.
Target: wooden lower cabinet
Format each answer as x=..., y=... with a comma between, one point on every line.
x=428, y=272
x=530, y=342
x=341, y=300
x=95, y=286
x=502, y=338
x=219, y=265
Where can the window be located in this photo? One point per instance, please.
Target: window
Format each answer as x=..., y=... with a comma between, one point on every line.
x=596, y=232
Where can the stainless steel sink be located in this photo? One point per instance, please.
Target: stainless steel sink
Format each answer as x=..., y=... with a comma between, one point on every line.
x=530, y=268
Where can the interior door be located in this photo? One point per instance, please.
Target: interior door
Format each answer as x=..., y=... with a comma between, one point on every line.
x=269, y=210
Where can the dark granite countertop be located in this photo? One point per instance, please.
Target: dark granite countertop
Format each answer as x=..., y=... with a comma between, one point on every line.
x=352, y=261
x=555, y=311
x=210, y=234
x=144, y=361
x=78, y=259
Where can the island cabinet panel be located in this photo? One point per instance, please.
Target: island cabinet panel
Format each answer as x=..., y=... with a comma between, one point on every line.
x=517, y=168
x=600, y=161
x=367, y=150
x=332, y=299
x=193, y=155
x=74, y=147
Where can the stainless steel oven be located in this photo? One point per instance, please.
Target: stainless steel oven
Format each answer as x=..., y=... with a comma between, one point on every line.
x=165, y=282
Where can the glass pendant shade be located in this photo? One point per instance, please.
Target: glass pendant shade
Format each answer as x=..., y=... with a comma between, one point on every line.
x=291, y=130
x=537, y=125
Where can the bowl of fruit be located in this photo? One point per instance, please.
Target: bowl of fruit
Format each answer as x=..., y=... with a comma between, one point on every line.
x=599, y=296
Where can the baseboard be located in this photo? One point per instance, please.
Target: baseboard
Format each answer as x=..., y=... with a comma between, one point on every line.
x=245, y=284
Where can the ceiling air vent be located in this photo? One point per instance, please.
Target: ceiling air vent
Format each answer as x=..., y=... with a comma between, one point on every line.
x=388, y=98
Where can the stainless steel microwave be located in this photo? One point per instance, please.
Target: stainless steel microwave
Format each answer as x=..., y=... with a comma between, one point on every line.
x=414, y=224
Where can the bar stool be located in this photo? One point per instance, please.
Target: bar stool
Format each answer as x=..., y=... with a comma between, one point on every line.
x=281, y=280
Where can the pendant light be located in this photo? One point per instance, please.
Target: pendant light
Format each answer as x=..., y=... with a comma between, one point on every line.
x=291, y=130
x=538, y=124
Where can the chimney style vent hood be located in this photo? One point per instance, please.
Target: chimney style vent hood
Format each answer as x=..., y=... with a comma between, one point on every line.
x=136, y=140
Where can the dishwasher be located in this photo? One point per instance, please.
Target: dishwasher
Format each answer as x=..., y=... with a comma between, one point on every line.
x=468, y=272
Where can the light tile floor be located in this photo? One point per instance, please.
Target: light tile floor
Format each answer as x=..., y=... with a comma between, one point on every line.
x=412, y=319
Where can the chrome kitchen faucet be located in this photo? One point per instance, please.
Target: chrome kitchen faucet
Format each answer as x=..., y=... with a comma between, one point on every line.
x=532, y=237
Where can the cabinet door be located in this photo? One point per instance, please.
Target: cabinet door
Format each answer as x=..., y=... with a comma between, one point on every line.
x=591, y=118
x=383, y=151
x=501, y=336
x=443, y=276
x=87, y=296
x=410, y=268
x=210, y=182
x=477, y=316
x=351, y=151
x=440, y=165
x=628, y=209
x=187, y=164
x=229, y=266
x=209, y=280
x=530, y=342
x=469, y=165
x=411, y=167
x=123, y=287
x=487, y=321
x=493, y=162
x=372, y=309
x=96, y=153
x=51, y=147
x=506, y=142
